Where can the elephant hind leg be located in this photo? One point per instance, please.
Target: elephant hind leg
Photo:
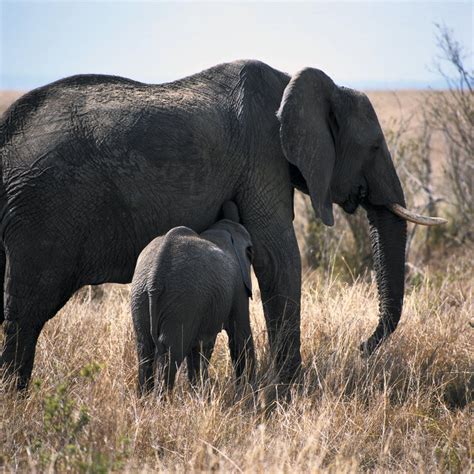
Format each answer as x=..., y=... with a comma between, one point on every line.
x=176, y=342
x=242, y=353
x=145, y=344
x=146, y=363
x=168, y=362
x=198, y=362
x=31, y=299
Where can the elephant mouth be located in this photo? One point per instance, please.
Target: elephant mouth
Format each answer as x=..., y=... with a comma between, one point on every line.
x=355, y=199
x=360, y=197
x=350, y=205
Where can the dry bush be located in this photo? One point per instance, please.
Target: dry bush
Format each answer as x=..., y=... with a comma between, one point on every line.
x=452, y=115
x=343, y=249
x=404, y=409
x=412, y=151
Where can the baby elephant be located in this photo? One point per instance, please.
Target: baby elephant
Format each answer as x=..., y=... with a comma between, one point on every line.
x=187, y=287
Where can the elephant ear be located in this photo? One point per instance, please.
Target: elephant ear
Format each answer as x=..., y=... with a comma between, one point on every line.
x=306, y=116
x=243, y=250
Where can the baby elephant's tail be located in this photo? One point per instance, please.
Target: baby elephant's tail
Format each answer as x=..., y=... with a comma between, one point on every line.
x=153, y=312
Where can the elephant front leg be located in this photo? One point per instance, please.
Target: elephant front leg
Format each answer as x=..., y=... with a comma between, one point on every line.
x=277, y=265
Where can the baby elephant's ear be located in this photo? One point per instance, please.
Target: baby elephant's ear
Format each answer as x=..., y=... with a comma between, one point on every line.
x=231, y=211
x=241, y=251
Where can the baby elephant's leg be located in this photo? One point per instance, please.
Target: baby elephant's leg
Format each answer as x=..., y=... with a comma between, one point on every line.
x=240, y=339
x=145, y=369
x=167, y=367
x=168, y=362
x=198, y=362
x=176, y=344
x=145, y=344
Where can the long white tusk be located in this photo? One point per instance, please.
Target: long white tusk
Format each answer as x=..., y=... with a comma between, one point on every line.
x=415, y=218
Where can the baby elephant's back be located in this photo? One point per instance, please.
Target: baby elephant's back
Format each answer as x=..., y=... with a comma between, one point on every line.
x=197, y=264
x=192, y=276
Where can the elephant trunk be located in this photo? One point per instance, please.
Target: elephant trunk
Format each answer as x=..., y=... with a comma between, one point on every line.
x=388, y=237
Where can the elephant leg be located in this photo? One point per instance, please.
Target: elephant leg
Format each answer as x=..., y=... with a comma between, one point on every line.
x=146, y=380
x=198, y=362
x=193, y=360
x=240, y=339
x=168, y=362
x=29, y=302
x=146, y=362
x=277, y=265
x=172, y=350
x=242, y=353
x=145, y=344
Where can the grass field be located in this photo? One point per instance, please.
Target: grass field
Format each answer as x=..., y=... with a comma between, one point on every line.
x=407, y=408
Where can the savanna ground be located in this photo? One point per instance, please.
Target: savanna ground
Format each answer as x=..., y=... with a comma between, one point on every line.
x=406, y=408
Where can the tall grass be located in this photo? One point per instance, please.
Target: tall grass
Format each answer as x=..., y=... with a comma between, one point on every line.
x=407, y=408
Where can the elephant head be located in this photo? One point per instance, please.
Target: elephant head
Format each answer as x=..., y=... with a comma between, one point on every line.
x=332, y=137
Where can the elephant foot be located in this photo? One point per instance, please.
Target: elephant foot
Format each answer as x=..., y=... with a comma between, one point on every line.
x=274, y=396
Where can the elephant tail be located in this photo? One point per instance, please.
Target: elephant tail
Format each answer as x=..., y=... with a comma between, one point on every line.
x=154, y=312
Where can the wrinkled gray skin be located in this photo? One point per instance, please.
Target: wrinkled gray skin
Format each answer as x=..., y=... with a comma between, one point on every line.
x=186, y=288
x=94, y=167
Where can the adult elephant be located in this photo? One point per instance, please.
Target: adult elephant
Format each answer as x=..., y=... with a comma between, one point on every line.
x=94, y=167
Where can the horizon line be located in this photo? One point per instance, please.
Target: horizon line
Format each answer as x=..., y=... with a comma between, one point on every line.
x=26, y=84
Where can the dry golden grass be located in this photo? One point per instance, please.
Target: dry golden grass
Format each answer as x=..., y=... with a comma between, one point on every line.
x=401, y=410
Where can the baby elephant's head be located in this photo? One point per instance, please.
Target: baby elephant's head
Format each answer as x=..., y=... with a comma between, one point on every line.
x=241, y=240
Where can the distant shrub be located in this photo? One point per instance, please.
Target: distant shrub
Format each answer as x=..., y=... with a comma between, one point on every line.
x=452, y=114
x=344, y=249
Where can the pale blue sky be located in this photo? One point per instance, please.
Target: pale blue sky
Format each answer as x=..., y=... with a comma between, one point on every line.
x=374, y=44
